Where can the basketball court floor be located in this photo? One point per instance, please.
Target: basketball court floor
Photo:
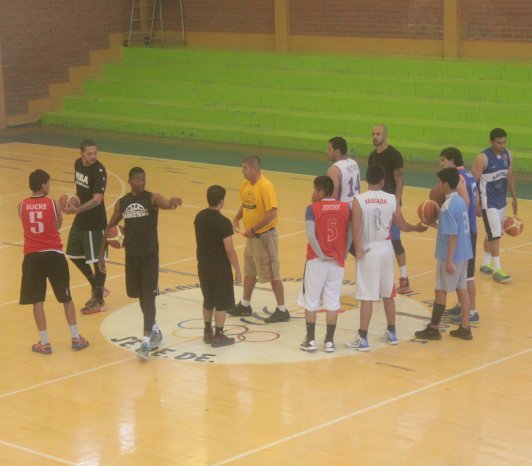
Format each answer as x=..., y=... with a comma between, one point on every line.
x=262, y=400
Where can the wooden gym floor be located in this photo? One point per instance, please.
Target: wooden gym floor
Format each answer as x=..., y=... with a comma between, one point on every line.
x=261, y=401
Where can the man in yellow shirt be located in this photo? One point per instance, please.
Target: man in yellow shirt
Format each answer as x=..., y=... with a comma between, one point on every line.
x=261, y=258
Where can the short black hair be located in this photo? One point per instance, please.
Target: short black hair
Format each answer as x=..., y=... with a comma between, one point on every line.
x=87, y=143
x=37, y=179
x=324, y=183
x=215, y=194
x=449, y=175
x=452, y=153
x=375, y=174
x=135, y=171
x=252, y=161
x=497, y=133
x=338, y=143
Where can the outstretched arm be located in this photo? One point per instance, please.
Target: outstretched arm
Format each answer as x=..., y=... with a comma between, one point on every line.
x=166, y=204
x=404, y=225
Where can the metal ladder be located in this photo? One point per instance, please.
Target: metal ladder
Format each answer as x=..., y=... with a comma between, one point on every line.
x=144, y=13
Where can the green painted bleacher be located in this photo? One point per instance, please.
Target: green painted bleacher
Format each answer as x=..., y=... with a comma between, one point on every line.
x=295, y=101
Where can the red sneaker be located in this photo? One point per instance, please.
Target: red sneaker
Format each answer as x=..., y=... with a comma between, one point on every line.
x=93, y=306
x=404, y=286
x=79, y=343
x=40, y=348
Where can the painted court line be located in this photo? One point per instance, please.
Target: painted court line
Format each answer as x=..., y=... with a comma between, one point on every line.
x=372, y=407
x=34, y=452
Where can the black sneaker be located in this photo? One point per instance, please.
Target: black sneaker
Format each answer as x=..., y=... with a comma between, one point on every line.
x=207, y=336
x=429, y=333
x=221, y=340
x=278, y=316
x=240, y=310
x=461, y=332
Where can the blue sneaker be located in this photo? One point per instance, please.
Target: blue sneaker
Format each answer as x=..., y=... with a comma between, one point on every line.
x=144, y=351
x=453, y=311
x=155, y=339
x=473, y=319
x=359, y=343
x=390, y=337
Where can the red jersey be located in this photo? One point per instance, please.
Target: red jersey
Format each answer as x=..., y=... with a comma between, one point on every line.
x=38, y=216
x=331, y=220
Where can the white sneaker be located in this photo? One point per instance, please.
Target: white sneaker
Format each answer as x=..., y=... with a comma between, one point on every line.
x=329, y=347
x=308, y=345
x=359, y=343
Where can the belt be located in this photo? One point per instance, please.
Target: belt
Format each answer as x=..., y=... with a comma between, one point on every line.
x=258, y=235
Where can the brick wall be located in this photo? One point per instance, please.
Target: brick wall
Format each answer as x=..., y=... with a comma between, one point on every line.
x=243, y=16
x=500, y=20
x=41, y=39
x=413, y=19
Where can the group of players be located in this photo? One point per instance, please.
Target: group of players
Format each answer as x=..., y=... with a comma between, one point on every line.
x=339, y=219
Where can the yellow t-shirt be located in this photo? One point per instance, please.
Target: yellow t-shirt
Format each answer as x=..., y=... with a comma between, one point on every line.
x=257, y=199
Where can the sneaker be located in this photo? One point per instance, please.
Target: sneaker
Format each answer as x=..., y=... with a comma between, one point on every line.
x=500, y=277
x=473, y=319
x=461, y=332
x=240, y=310
x=221, y=340
x=404, y=286
x=40, y=348
x=79, y=343
x=329, y=347
x=453, y=311
x=93, y=306
x=155, y=339
x=278, y=316
x=144, y=351
x=487, y=269
x=428, y=333
x=207, y=336
x=390, y=337
x=308, y=344
x=359, y=343
x=106, y=292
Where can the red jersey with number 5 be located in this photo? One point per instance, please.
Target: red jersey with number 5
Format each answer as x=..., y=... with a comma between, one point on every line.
x=38, y=216
x=331, y=220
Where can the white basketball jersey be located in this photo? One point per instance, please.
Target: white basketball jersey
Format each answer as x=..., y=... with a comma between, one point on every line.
x=349, y=185
x=378, y=208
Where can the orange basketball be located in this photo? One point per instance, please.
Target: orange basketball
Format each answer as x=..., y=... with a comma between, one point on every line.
x=436, y=195
x=115, y=237
x=513, y=226
x=69, y=200
x=428, y=212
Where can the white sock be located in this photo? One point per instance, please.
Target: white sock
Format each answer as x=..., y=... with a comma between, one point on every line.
x=44, y=336
x=146, y=340
x=496, y=262
x=245, y=303
x=487, y=258
x=282, y=308
x=74, y=331
x=402, y=270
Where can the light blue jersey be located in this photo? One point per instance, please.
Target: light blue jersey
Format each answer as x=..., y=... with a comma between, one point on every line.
x=454, y=220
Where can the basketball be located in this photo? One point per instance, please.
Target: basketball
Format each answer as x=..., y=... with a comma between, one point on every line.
x=436, y=195
x=428, y=212
x=69, y=200
x=115, y=237
x=513, y=226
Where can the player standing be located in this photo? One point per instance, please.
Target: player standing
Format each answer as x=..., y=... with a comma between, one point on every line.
x=467, y=188
x=216, y=254
x=344, y=172
x=492, y=169
x=329, y=236
x=261, y=255
x=86, y=232
x=44, y=258
x=140, y=211
x=373, y=213
x=453, y=251
x=392, y=161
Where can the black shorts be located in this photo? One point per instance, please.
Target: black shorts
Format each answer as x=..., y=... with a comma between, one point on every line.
x=36, y=268
x=471, y=262
x=217, y=289
x=142, y=275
